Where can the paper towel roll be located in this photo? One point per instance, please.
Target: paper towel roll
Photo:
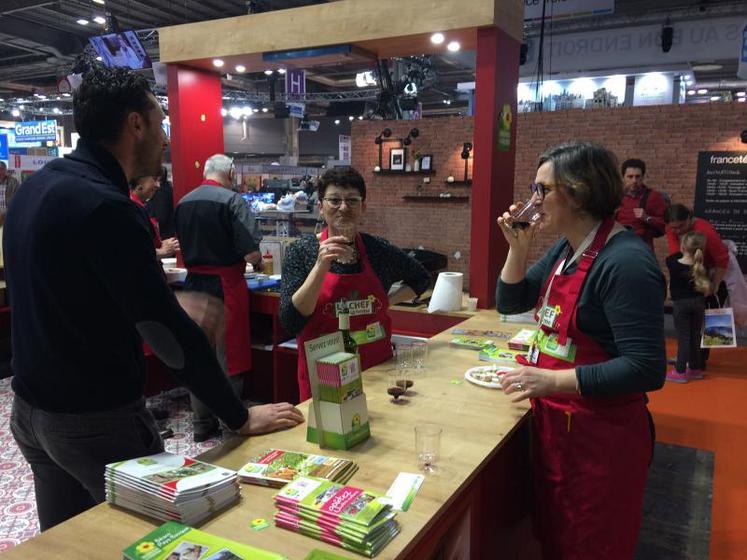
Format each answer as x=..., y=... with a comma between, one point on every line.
x=447, y=295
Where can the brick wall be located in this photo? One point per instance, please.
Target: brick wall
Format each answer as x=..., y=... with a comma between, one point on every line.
x=439, y=226
x=668, y=138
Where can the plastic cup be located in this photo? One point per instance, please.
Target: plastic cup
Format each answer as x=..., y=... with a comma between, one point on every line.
x=527, y=214
x=427, y=446
x=472, y=304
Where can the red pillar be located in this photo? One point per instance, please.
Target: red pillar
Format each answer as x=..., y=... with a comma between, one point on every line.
x=496, y=78
x=195, y=101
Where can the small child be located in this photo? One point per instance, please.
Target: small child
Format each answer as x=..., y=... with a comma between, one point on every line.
x=688, y=285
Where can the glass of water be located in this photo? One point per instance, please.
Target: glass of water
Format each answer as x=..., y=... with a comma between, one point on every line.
x=427, y=446
x=404, y=357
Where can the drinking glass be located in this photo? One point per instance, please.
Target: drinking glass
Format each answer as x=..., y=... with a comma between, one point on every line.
x=427, y=446
x=419, y=356
x=396, y=387
x=526, y=214
x=347, y=231
x=404, y=356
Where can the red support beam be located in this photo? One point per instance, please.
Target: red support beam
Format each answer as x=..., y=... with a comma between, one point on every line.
x=496, y=79
x=195, y=101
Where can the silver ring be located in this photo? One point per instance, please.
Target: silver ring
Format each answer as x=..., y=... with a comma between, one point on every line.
x=519, y=386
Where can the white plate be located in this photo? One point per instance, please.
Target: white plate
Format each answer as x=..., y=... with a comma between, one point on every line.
x=473, y=375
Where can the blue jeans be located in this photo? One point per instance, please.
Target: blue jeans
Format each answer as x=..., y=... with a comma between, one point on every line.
x=68, y=452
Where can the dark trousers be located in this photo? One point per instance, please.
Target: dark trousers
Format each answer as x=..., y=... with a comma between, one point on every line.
x=68, y=452
x=688, y=321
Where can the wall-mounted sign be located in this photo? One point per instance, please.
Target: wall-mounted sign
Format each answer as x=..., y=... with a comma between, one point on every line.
x=567, y=8
x=36, y=131
x=295, y=82
x=504, y=128
x=3, y=146
x=28, y=163
x=721, y=196
x=742, y=71
x=296, y=110
x=346, y=145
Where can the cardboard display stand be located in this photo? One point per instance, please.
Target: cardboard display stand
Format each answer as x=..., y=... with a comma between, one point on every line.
x=337, y=419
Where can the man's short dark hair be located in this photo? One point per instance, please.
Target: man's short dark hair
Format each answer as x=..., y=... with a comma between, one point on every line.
x=588, y=174
x=635, y=163
x=345, y=177
x=677, y=213
x=105, y=98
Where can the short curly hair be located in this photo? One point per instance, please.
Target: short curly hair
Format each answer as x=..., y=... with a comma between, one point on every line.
x=345, y=177
x=105, y=97
x=588, y=174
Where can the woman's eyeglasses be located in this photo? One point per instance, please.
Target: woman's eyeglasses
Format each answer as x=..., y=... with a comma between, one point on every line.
x=541, y=189
x=352, y=202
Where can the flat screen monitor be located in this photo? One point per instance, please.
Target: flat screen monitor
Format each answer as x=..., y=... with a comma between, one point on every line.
x=266, y=197
x=121, y=49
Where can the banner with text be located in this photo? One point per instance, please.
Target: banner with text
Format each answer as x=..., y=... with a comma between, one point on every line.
x=557, y=9
x=721, y=196
x=36, y=131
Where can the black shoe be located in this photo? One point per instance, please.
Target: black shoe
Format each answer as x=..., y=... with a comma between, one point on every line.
x=199, y=437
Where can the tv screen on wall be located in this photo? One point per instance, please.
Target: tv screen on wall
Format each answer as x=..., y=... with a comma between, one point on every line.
x=121, y=49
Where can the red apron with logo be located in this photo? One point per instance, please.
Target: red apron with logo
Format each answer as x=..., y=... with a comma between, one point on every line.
x=236, y=314
x=367, y=303
x=591, y=454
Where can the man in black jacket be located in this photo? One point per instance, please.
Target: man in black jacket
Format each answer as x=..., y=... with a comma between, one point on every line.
x=86, y=291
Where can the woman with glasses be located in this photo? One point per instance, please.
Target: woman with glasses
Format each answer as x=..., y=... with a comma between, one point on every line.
x=598, y=296
x=343, y=268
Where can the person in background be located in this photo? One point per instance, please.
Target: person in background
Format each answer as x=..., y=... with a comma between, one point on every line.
x=688, y=284
x=161, y=204
x=599, y=348
x=8, y=187
x=342, y=266
x=142, y=190
x=87, y=291
x=216, y=233
x=642, y=208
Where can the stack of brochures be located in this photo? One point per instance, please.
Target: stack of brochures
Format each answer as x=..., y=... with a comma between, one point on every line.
x=171, y=487
x=276, y=468
x=344, y=516
x=523, y=340
x=174, y=541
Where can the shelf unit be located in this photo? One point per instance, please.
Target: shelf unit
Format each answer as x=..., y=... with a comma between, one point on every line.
x=435, y=198
x=467, y=183
x=403, y=172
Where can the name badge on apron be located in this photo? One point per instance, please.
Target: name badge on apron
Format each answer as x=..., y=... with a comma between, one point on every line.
x=549, y=316
x=372, y=333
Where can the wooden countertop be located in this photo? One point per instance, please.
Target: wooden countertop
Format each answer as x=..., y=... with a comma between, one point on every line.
x=476, y=422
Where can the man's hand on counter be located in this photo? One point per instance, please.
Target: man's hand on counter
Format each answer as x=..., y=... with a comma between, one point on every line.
x=267, y=418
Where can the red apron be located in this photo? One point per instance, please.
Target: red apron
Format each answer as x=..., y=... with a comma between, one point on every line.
x=236, y=314
x=370, y=324
x=155, y=229
x=591, y=454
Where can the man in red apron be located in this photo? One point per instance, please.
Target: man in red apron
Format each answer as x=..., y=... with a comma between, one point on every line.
x=142, y=190
x=590, y=455
x=217, y=236
x=368, y=304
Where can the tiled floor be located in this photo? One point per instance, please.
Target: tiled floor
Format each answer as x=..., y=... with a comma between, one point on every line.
x=18, y=521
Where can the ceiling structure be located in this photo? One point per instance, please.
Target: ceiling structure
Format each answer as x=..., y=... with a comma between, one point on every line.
x=40, y=40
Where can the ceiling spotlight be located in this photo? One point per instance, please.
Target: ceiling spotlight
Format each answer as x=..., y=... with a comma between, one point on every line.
x=218, y=63
x=240, y=68
x=454, y=46
x=99, y=59
x=691, y=92
x=268, y=72
x=101, y=20
x=360, y=117
x=447, y=101
x=437, y=38
x=337, y=121
x=246, y=110
x=15, y=113
x=235, y=112
x=22, y=107
x=715, y=97
x=351, y=118
x=702, y=91
x=56, y=111
x=281, y=71
x=741, y=94
x=98, y=2
x=81, y=21
x=223, y=112
x=256, y=110
x=742, y=99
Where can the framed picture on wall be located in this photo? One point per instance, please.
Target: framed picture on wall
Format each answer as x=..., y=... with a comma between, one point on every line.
x=397, y=159
x=426, y=162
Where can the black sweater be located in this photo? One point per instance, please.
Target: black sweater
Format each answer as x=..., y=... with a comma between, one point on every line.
x=621, y=307
x=85, y=285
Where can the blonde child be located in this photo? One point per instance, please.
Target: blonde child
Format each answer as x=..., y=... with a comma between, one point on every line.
x=688, y=285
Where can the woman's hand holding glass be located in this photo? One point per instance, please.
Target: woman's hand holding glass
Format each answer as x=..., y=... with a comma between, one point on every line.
x=519, y=238
x=335, y=248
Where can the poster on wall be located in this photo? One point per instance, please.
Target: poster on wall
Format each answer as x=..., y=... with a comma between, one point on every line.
x=721, y=196
x=345, y=147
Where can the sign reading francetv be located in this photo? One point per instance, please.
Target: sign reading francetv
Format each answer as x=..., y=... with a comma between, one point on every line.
x=567, y=8
x=36, y=131
x=721, y=196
